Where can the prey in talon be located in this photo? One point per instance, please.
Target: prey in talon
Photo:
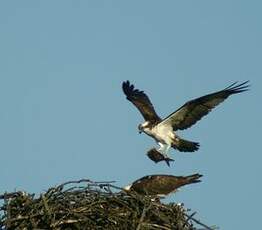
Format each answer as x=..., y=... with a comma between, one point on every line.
x=156, y=156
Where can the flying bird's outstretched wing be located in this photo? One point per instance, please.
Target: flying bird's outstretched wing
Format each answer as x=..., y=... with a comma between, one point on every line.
x=141, y=101
x=192, y=111
x=162, y=184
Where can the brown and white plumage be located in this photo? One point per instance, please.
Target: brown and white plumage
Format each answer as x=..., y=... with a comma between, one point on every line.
x=192, y=111
x=162, y=130
x=161, y=185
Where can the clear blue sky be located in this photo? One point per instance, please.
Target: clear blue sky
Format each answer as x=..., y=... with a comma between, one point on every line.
x=63, y=115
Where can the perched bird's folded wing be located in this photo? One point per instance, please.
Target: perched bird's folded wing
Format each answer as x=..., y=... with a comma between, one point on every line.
x=141, y=101
x=194, y=110
x=162, y=184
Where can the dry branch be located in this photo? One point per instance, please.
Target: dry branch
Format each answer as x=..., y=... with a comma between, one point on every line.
x=85, y=204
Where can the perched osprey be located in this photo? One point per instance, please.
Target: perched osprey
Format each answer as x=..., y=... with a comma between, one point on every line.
x=163, y=130
x=161, y=185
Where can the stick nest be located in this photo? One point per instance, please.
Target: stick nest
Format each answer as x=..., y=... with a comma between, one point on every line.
x=90, y=205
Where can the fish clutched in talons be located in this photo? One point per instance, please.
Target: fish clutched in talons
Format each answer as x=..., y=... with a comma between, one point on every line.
x=157, y=156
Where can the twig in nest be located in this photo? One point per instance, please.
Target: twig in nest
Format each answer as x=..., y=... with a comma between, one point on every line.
x=90, y=205
x=145, y=209
x=190, y=217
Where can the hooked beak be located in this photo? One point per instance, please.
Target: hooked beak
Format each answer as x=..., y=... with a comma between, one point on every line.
x=140, y=129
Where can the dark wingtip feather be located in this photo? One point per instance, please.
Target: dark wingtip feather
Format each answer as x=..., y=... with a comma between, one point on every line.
x=130, y=91
x=125, y=84
x=195, y=146
x=197, y=175
x=127, y=87
x=200, y=175
x=197, y=181
x=195, y=178
x=238, y=88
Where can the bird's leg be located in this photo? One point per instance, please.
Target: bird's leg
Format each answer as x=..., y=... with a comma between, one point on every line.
x=161, y=147
x=167, y=147
x=164, y=149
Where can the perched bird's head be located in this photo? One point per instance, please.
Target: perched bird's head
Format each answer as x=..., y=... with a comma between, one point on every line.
x=128, y=187
x=143, y=126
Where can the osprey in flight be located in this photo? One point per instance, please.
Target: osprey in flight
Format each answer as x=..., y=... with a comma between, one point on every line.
x=163, y=130
x=161, y=185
